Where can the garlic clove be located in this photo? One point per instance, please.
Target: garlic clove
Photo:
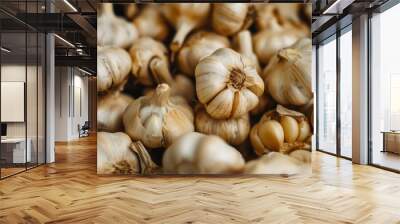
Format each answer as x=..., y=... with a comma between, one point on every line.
x=233, y=130
x=290, y=128
x=228, y=18
x=272, y=135
x=304, y=131
x=243, y=102
x=221, y=106
x=175, y=124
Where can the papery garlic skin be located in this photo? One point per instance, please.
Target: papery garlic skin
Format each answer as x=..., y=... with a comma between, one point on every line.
x=280, y=130
x=198, y=46
x=277, y=164
x=288, y=76
x=234, y=130
x=114, y=155
x=228, y=18
x=159, y=119
x=113, y=30
x=182, y=86
x=150, y=64
x=243, y=44
x=196, y=153
x=227, y=84
x=184, y=17
x=150, y=23
x=113, y=67
x=110, y=109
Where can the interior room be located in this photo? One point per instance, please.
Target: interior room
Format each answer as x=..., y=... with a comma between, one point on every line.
x=50, y=125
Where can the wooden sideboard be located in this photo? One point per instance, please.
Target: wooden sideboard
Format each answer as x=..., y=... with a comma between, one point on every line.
x=391, y=141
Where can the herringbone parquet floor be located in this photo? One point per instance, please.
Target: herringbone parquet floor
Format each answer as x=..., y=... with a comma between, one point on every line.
x=69, y=191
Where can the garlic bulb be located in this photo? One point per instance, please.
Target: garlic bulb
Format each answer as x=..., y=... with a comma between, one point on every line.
x=269, y=41
x=116, y=154
x=196, y=153
x=159, y=119
x=150, y=62
x=113, y=30
x=288, y=76
x=229, y=18
x=150, y=23
x=110, y=109
x=184, y=17
x=182, y=86
x=283, y=13
x=281, y=130
x=234, y=130
x=199, y=45
x=244, y=46
x=227, y=84
x=277, y=164
x=113, y=67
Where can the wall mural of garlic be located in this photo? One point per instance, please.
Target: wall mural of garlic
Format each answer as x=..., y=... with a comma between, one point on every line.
x=200, y=88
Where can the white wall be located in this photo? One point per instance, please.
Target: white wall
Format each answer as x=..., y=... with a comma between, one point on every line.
x=69, y=82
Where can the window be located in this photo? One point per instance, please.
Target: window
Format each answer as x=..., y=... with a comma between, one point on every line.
x=346, y=93
x=327, y=96
x=385, y=89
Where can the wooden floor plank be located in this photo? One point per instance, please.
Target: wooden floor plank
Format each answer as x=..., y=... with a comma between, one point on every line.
x=70, y=191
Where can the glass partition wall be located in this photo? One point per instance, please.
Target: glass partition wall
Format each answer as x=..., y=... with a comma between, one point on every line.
x=22, y=77
x=334, y=94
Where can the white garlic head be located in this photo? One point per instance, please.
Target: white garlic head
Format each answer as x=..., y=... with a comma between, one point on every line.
x=227, y=84
x=110, y=109
x=288, y=76
x=113, y=30
x=150, y=23
x=196, y=153
x=117, y=154
x=159, y=119
x=150, y=64
x=198, y=46
x=113, y=67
